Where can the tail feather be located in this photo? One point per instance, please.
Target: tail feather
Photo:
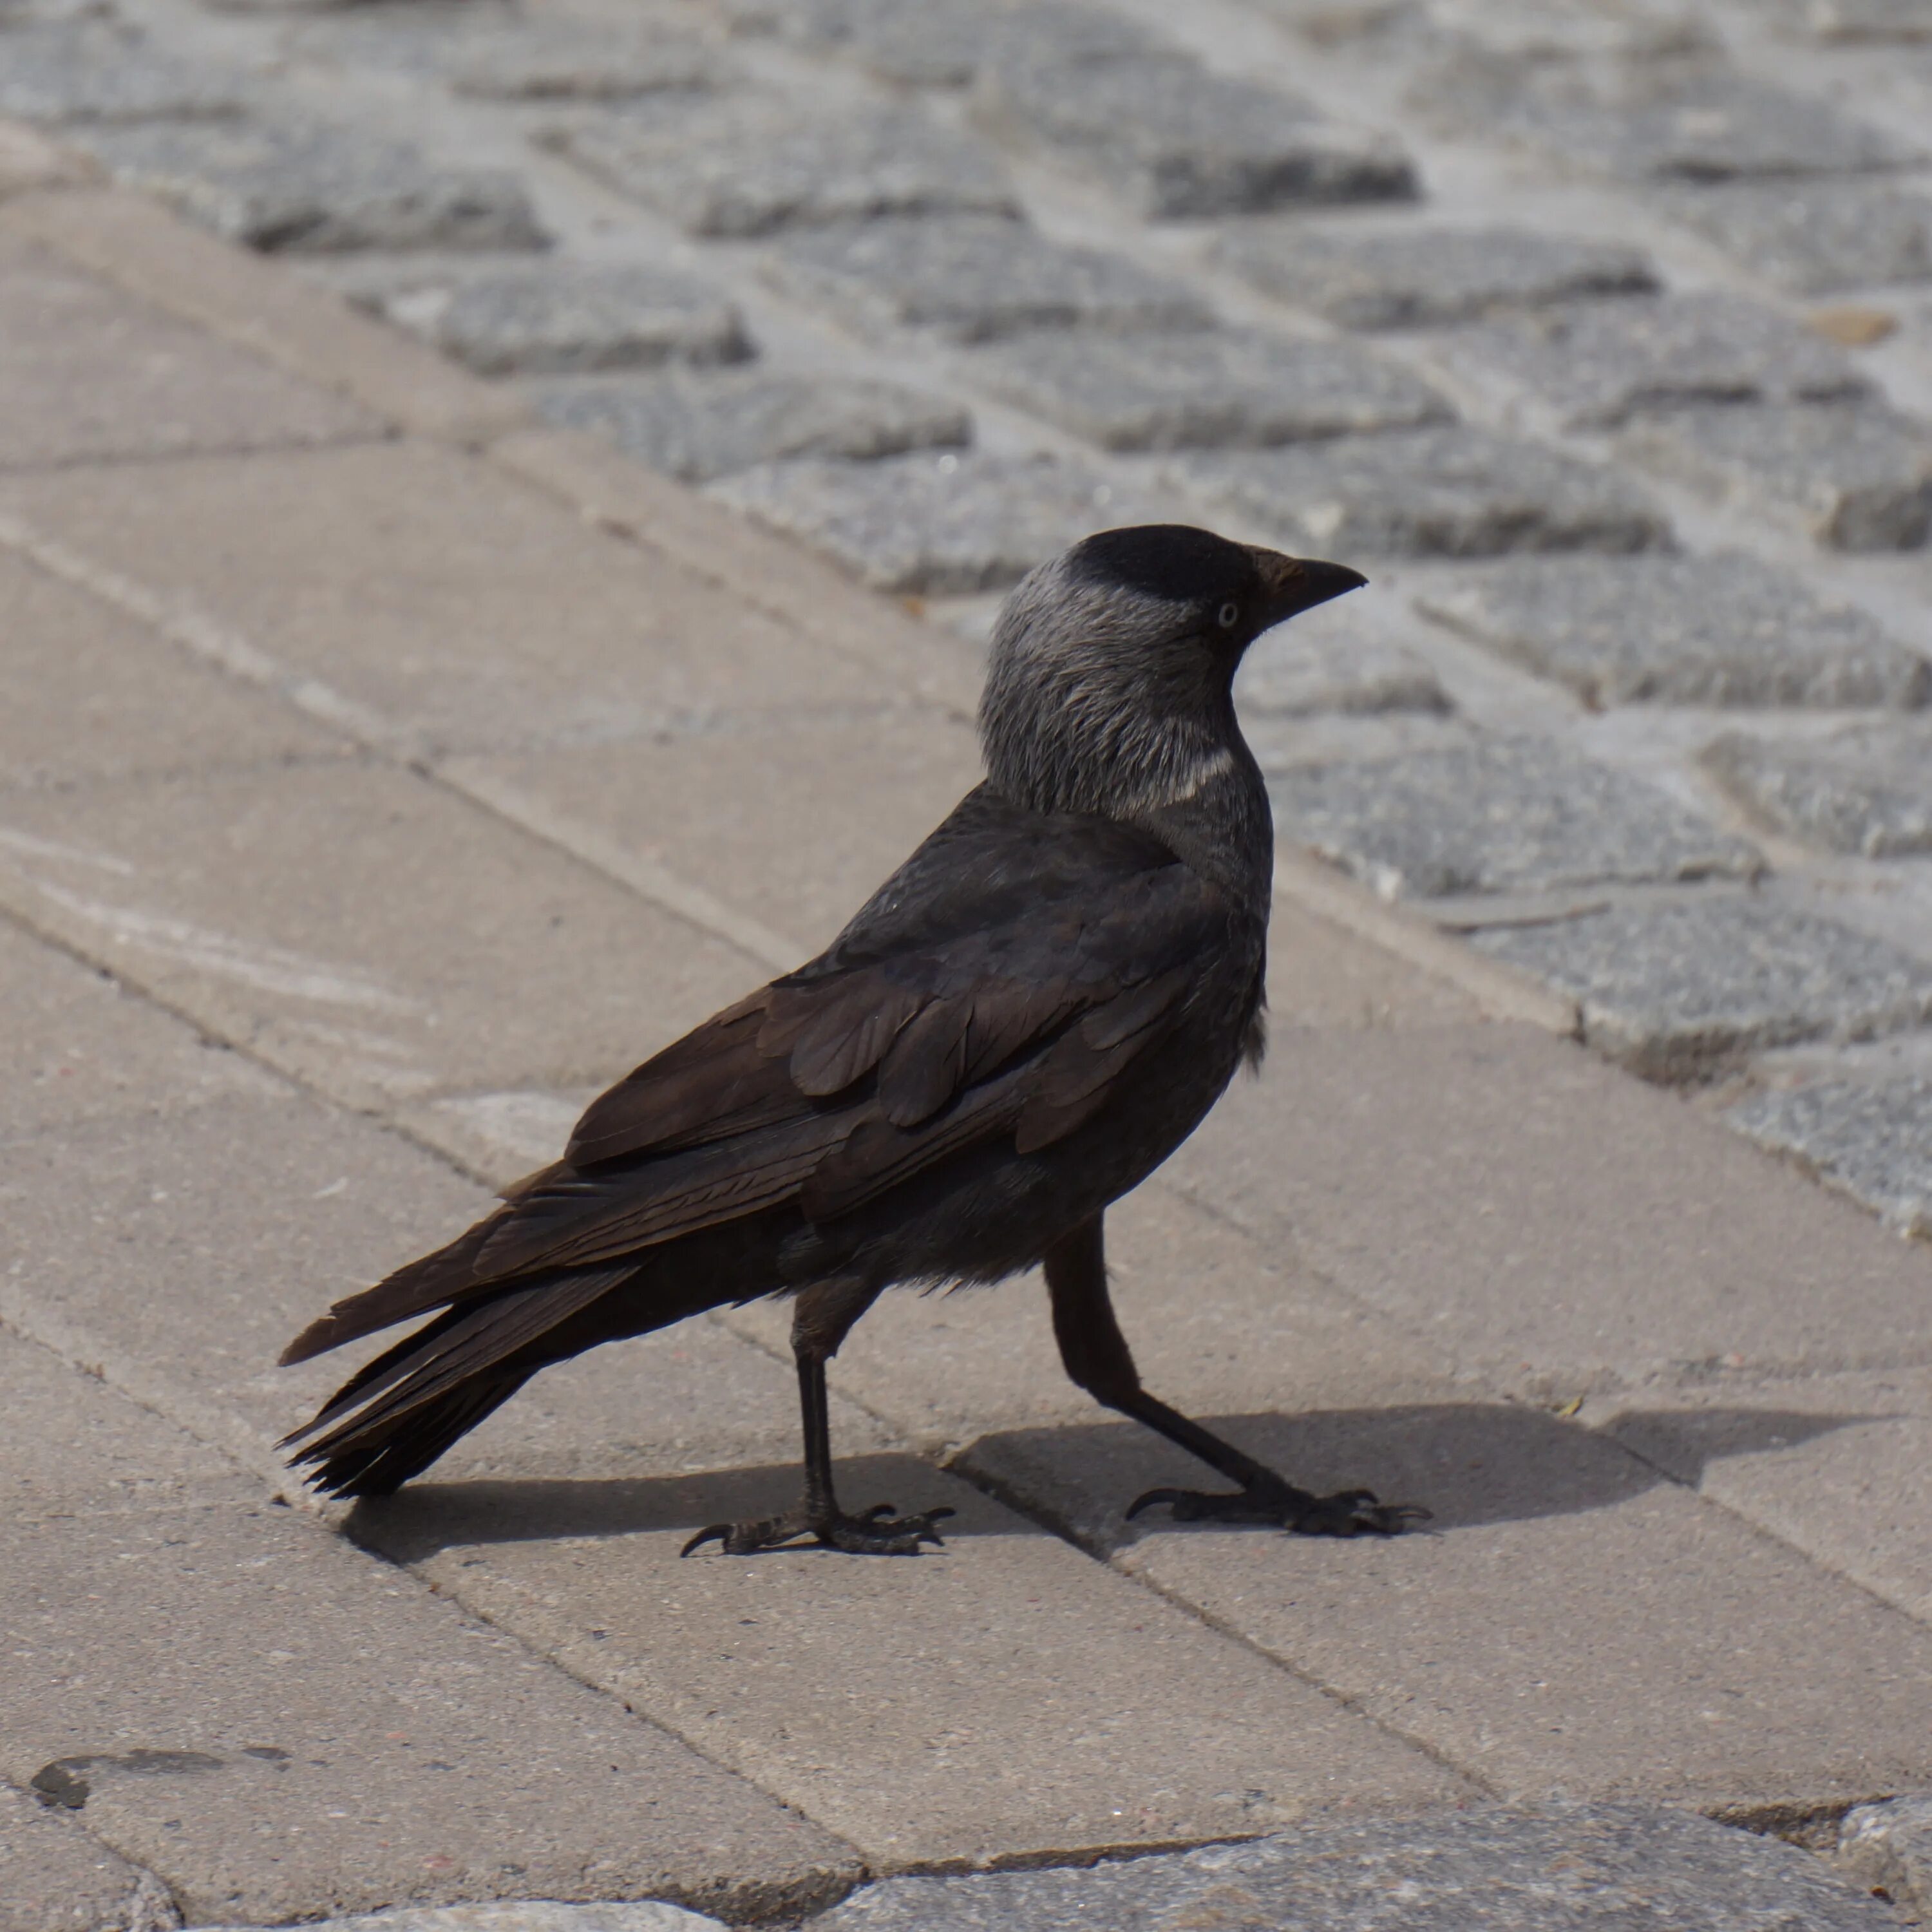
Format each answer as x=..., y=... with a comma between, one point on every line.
x=379, y=1464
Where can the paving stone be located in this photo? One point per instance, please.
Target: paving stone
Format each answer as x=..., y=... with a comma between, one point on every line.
x=1227, y=388
x=974, y=280
x=102, y=70
x=90, y=372
x=439, y=594
x=1448, y=492
x=1867, y=790
x=1871, y=1139
x=1518, y=1870
x=80, y=1048
x=527, y=1915
x=1599, y=363
x=1834, y=1465
x=315, y=189
x=1498, y=815
x=1676, y=992
x=1423, y=278
x=1889, y=1847
x=933, y=526
x=556, y=61
x=1537, y=1218
x=982, y=1699
x=1340, y=666
x=753, y=165
x=1689, y=119
x=1856, y=478
x=545, y=316
x=55, y=1878
x=1180, y=143
x=1723, y=629
x=697, y=427
x=943, y=42
x=367, y=929
x=264, y=1679
x=91, y=695
x=725, y=806
x=1812, y=237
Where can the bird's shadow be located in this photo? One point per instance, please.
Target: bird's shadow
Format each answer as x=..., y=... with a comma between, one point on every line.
x=1469, y=1464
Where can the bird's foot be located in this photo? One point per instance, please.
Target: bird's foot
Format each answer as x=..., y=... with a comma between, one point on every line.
x=877, y=1533
x=1347, y=1513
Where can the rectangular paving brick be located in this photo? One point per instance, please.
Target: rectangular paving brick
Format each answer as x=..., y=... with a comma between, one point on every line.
x=93, y=695
x=1224, y=388
x=1866, y=790
x=752, y=164
x=1542, y=1219
x=1449, y=492
x=1597, y=364
x=1500, y=815
x=1856, y=477
x=1812, y=237
x=288, y=186
x=974, y=279
x=55, y=1878
x=727, y=807
x=92, y=373
x=987, y=1699
x=933, y=525
x=1426, y=277
x=1691, y=118
x=1724, y=629
x=438, y=593
x=1870, y=1139
x=367, y=929
x=544, y=316
x=1834, y=1465
x=697, y=427
x=1180, y=143
x=1679, y=991
x=320, y=1736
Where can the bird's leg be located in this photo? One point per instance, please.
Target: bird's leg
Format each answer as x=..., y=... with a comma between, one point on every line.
x=821, y=1318
x=1097, y=1357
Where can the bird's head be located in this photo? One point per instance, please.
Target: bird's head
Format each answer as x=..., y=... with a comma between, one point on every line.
x=1110, y=684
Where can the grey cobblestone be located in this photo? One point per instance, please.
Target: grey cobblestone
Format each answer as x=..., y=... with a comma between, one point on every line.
x=1314, y=670
x=1181, y=143
x=698, y=427
x=1228, y=387
x=1719, y=630
x=1596, y=1868
x=974, y=280
x=1599, y=364
x=525, y=1915
x=1453, y=492
x=1692, y=119
x=933, y=526
x=1421, y=277
x=318, y=190
x=1857, y=477
x=1812, y=237
x=544, y=316
x=1871, y=1139
x=1677, y=992
x=754, y=164
x=1889, y=1847
x=1867, y=790
x=1513, y=815
x=101, y=70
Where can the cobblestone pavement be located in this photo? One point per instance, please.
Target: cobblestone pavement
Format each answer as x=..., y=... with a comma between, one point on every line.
x=388, y=760
x=1601, y=332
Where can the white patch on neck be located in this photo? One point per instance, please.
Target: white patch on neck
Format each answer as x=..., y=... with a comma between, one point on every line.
x=1215, y=765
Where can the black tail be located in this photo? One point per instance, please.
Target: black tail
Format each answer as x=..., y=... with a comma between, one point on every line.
x=396, y=1415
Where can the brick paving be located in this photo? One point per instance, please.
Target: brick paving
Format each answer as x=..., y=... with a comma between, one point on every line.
x=366, y=799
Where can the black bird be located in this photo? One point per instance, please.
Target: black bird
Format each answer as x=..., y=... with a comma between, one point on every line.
x=1028, y=1017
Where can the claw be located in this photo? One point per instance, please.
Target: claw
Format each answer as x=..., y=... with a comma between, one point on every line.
x=721, y=1531
x=1177, y=1497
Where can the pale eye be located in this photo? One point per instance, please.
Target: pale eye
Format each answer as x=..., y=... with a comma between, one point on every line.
x=1228, y=616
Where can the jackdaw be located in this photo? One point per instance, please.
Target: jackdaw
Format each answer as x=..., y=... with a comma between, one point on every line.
x=1022, y=1023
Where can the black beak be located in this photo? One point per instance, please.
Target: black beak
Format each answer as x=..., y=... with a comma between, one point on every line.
x=1297, y=584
